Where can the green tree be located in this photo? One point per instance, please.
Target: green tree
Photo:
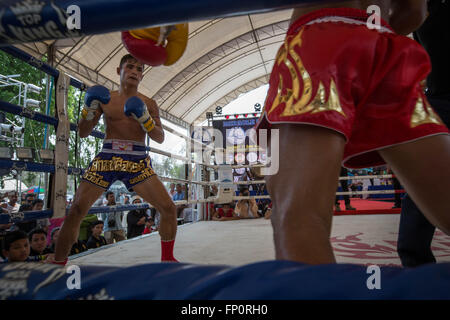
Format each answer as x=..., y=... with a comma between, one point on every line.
x=35, y=132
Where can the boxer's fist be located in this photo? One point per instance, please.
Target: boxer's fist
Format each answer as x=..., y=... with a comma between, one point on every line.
x=136, y=108
x=92, y=99
x=157, y=46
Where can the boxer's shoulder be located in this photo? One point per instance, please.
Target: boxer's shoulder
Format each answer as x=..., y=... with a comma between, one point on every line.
x=148, y=101
x=151, y=104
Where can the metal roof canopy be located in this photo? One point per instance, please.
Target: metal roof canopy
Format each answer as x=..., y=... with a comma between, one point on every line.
x=224, y=56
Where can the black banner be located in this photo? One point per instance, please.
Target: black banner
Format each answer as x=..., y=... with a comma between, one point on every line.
x=239, y=140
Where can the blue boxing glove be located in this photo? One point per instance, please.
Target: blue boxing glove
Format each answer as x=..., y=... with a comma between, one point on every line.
x=136, y=108
x=92, y=99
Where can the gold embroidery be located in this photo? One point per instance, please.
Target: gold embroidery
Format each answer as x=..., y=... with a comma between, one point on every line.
x=295, y=102
x=95, y=179
x=319, y=103
x=423, y=114
x=144, y=175
x=118, y=164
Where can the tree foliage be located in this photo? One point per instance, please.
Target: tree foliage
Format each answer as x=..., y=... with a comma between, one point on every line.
x=81, y=151
x=37, y=133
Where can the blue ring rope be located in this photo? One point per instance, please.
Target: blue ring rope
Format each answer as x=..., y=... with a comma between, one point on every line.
x=6, y=218
x=104, y=16
x=40, y=117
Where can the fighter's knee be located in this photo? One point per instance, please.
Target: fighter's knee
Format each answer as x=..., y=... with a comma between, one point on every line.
x=168, y=208
x=77, y=209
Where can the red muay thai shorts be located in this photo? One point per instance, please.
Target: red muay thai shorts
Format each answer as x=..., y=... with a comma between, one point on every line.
x=334, y=71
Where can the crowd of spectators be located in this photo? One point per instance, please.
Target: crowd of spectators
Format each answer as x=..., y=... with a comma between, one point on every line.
x=34, y=240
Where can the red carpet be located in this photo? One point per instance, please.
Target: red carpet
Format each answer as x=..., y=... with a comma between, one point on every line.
x=364, y=206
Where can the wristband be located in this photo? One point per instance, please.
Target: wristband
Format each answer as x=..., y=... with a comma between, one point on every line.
x=149, y=125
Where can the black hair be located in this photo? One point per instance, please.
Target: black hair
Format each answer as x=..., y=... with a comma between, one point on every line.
x=25, y=207
x=29, y=195
x=36, y=231
x=37, y=201
x=108, y=193
x=10, y=237
x=125, y=59
x=93, y=224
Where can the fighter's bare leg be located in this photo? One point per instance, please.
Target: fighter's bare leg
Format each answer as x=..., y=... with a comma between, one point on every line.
x=422, y=167
x=303, y=192
x=153, y=191
x=85, y=197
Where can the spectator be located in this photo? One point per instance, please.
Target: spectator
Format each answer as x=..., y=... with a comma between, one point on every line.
x=156, y=217
x=376, y=180
x=85, y=227
x=172, y=190
x=344, y=185
x=268, y=212
x=38, y=242
x=77, y=247
x=112, y=221
x=397, y=186
x=44, y=223
x=136, y=219
x=96, y=239
x=54, y=237
x=13, y=206
x=16, y=247
x=179, y=195
x=246, y=209
x=26, y=226
x=225, y=213
x=3, y=204
x=149, y=225
x=29, y=198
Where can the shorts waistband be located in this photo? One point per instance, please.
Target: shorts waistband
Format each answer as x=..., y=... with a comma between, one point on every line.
x=357, y=15
x=124, y=147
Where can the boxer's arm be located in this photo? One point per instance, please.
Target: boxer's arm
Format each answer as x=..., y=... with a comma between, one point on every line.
x=157, y=134
x=407, y=15
x=85, y=127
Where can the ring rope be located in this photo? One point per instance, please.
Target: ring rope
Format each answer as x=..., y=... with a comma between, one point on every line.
x=40, y=117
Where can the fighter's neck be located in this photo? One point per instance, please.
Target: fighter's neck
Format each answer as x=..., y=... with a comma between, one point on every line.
x=128, y=91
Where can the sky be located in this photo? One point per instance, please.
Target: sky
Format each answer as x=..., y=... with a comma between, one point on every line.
x=243, y=104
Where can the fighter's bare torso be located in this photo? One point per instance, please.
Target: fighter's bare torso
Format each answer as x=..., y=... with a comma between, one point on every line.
x=118, y=125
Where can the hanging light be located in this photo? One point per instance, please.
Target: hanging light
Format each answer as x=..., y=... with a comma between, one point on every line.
x=34, y=89
x=6, y=153
x=32, y=103
x=46, y=155
x=25, y=153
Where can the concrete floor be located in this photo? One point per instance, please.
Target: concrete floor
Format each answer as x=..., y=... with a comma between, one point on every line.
x=365, y=239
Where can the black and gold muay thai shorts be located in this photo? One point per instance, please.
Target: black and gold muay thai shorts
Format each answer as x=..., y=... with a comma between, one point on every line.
x=122, y=160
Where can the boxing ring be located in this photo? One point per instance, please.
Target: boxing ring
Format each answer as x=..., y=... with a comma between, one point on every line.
x=234, y=259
